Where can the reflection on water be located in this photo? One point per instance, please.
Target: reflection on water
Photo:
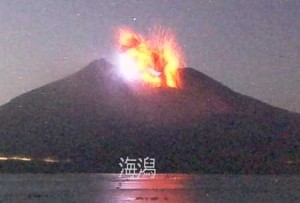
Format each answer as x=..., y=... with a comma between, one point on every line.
x=163, y=188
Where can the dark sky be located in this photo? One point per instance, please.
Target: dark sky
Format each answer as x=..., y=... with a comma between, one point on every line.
x=252, y=46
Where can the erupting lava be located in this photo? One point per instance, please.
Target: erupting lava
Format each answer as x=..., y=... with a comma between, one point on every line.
x=154, y=60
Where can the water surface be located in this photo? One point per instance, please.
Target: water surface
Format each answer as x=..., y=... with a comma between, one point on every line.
x=163, y=188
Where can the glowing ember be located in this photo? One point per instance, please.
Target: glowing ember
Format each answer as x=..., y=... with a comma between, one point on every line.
x=154, y=60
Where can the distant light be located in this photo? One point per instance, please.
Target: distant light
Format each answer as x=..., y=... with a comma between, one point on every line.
x=17, y=158
x=3, y=158
x=24, y=158
x=50, y=160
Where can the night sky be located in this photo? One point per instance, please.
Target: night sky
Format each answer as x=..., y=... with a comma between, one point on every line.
x=252, y=46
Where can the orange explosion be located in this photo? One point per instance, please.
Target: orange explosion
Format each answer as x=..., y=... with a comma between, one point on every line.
x=154, y=60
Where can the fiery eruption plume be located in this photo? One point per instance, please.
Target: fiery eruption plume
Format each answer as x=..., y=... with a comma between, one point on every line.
x=155, y=60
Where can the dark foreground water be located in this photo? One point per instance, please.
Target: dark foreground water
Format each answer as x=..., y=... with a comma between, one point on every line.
x=163, y=188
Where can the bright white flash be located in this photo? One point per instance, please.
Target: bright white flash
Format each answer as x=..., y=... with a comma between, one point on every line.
x=128, y=67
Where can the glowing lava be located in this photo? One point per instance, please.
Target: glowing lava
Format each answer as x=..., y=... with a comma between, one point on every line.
x=154, y=60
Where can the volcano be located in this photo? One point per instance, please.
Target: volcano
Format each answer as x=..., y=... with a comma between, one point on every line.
x=94, y=117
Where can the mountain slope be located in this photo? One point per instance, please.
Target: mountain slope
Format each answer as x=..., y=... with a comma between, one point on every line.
x=94, y=117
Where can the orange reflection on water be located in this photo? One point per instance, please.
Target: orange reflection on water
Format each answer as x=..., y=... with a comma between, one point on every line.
x=163, y=188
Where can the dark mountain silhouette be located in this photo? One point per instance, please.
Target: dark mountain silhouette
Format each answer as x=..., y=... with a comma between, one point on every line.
x=94, y=117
